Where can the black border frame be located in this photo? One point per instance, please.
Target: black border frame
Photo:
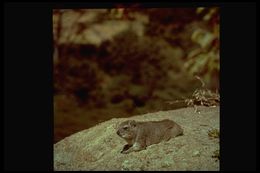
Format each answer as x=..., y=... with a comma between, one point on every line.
x=28, y=137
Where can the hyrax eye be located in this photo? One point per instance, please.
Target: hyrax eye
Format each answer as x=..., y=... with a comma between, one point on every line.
x=125, y=128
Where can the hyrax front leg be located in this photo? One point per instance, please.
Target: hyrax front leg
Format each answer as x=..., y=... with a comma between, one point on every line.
x=135, y=147
x=138, y=145
x=126, y=147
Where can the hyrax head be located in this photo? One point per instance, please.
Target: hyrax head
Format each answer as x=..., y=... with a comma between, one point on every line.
x=127, y=129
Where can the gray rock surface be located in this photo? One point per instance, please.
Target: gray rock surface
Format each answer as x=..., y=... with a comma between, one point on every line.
x=98, y=148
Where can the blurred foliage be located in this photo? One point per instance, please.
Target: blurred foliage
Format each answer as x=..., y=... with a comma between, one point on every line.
x=214, y=133
x=125, y=61
x=216, y=154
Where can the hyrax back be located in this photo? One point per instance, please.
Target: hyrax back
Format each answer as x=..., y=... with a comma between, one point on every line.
x=139, y=135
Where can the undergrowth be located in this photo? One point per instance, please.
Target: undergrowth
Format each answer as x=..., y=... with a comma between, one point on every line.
x=201, y=97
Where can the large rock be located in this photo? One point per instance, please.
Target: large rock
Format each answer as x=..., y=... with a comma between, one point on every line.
x=98, y=148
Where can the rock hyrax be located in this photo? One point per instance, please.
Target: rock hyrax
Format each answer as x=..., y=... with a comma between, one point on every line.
x=139, y=135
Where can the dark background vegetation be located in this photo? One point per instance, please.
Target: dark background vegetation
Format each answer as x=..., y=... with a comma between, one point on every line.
x=125, y=61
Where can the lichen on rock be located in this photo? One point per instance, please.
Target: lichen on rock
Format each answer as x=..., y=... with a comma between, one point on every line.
x=98, y=148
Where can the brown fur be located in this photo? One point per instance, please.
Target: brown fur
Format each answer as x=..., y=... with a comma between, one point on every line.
x=139, y=135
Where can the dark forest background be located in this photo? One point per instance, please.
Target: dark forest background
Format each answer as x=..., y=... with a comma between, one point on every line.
x=125, y=61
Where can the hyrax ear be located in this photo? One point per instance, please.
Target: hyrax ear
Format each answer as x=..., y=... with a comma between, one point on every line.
x=132, y=123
